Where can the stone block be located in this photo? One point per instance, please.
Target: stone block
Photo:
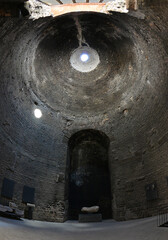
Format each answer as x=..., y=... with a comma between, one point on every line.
x=19, y=213
x=83, y=218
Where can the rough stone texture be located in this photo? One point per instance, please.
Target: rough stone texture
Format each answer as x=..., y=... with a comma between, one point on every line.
x=125, y=97
x=37, y=9
x=116, y=6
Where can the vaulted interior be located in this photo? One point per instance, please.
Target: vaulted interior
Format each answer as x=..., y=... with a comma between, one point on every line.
x=105, y=115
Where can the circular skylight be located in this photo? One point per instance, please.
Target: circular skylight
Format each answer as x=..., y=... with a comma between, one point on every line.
x=84, y=59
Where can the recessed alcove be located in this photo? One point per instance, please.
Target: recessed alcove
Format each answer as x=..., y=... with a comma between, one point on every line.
x=89, y=179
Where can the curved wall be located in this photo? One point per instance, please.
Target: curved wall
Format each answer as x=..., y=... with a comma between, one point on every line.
x=125, y=97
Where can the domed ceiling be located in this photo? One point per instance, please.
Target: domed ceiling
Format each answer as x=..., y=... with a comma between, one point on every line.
x=121, y=89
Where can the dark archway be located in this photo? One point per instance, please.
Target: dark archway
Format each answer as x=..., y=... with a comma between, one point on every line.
x=89, y=180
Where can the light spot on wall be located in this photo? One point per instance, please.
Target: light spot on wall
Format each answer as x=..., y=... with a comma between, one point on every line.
x=37, y=113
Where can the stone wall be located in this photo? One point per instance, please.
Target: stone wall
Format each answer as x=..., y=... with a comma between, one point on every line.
x=125, y=97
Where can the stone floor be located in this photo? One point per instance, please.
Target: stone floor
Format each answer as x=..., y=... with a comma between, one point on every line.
x=143, y=229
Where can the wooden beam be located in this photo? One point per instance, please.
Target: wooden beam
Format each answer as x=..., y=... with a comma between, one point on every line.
x=57, y=10
x=59, y=1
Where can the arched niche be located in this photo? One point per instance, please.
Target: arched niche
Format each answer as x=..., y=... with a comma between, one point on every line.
x=89, y=179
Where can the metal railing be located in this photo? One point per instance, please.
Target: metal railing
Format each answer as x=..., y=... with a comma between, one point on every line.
x=162, y=218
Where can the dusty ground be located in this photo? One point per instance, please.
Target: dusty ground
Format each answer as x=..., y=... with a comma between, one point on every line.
x=144, y=229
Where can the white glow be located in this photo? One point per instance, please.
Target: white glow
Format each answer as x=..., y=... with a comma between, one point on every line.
x=37, y=113
x=84, y=57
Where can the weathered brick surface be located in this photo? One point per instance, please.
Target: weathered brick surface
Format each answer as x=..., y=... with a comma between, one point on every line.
x=125, y=97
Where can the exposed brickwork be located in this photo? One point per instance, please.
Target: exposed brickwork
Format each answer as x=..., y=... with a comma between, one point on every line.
x=125, y=97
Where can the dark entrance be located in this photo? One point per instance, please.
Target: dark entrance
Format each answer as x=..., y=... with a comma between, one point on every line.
x=89, y=180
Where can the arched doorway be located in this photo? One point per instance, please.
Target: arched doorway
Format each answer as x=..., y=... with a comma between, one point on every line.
x=89, y=180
